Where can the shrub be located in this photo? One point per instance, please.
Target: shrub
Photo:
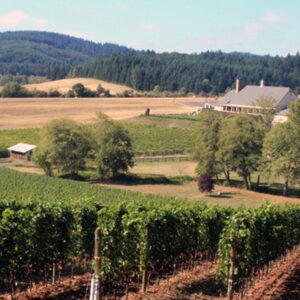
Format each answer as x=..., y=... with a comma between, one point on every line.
x=4, y=153
x=205, y=183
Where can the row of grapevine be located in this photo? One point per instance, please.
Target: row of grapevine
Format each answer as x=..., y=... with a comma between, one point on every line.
x=152, y=140
x=139, y=237
x=49, y=220
x=256, y=236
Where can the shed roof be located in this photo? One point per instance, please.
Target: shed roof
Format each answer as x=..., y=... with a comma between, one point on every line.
x=22, y=148
x=251, y=93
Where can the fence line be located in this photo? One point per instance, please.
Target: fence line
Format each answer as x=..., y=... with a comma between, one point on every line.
x=161, y=158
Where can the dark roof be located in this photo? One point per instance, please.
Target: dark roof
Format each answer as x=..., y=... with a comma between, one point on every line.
x=251, y=93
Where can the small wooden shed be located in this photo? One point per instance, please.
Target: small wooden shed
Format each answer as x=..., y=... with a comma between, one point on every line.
x=22, y=151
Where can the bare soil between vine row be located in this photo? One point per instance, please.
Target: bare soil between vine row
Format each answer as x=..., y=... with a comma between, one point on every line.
x=281, y=283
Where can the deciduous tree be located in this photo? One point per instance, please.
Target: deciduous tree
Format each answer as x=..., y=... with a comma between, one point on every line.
x=112, y=148
x=281, y=154
x=240, y=146
x=210, y=124
x=64, y=146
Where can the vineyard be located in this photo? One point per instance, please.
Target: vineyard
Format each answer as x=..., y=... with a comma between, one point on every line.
x=46, y=223
x=146, y=140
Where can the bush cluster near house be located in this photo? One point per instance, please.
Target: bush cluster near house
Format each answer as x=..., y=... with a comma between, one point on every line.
x=245, y=145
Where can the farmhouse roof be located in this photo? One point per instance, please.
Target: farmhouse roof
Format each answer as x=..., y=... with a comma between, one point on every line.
x=22, y=148
x=249, y=95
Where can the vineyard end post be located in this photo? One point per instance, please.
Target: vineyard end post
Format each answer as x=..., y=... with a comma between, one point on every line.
x=98, y=240
x=231, y=271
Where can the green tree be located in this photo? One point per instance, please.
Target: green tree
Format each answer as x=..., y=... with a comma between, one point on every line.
x=240, y=146
x=106, y=93
x=265, y=119
x=79, y=90
x=42, y=158
x=14, y=90
x=267, y=106
x=281, y=154
x=64, y=146
x=112, y=148
x=210, y=124
x=100, y=90
x=294, y=112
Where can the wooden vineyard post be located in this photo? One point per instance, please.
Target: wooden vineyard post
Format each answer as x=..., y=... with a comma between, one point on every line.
x=53, y=273
x=231, y=272
x=96, y=280
x=145, y=263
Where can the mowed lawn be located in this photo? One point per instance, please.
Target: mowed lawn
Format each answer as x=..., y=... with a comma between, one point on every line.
x=230, y=196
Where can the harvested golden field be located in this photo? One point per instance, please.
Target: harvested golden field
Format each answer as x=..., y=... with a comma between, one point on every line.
x=35, y=112
x=65, y=85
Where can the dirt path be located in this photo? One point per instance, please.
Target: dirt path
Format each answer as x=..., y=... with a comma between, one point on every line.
x=197, y=284
x=77, y=288
x=282, y=283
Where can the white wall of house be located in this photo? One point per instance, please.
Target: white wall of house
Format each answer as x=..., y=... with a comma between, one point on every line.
x=279, y=119
x=218, y=108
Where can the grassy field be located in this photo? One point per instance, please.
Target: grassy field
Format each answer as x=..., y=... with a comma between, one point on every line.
x=65, y=85
x=35, y=112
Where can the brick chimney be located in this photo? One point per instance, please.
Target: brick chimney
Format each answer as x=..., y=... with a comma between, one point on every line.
x=262, y=83
x=239, y=85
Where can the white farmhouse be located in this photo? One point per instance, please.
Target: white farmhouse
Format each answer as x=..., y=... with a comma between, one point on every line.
x=247, y=99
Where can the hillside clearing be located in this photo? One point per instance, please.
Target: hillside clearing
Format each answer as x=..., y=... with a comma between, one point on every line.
x=65, y=85
x=35, y=112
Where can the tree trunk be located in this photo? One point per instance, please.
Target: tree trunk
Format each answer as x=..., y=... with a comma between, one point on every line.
x=285, y=188
x=258, y=180
x=246, y=182
x=227, y=176
x=249, y=182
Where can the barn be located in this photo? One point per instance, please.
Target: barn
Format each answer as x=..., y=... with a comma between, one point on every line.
x=22, y=151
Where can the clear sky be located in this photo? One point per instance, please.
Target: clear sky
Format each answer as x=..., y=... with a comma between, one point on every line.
x=256, y=26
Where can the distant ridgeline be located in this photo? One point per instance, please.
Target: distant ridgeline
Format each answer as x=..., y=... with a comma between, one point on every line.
x=208, y=72
x=48, y=54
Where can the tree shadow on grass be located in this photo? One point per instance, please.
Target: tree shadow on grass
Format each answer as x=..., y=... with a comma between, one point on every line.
x=276, y=189
x=134, y=179
x=220, y=196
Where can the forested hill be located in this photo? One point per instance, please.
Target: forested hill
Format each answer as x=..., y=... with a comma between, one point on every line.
x=53, y=55
x=206, y=72
x=39, y=53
